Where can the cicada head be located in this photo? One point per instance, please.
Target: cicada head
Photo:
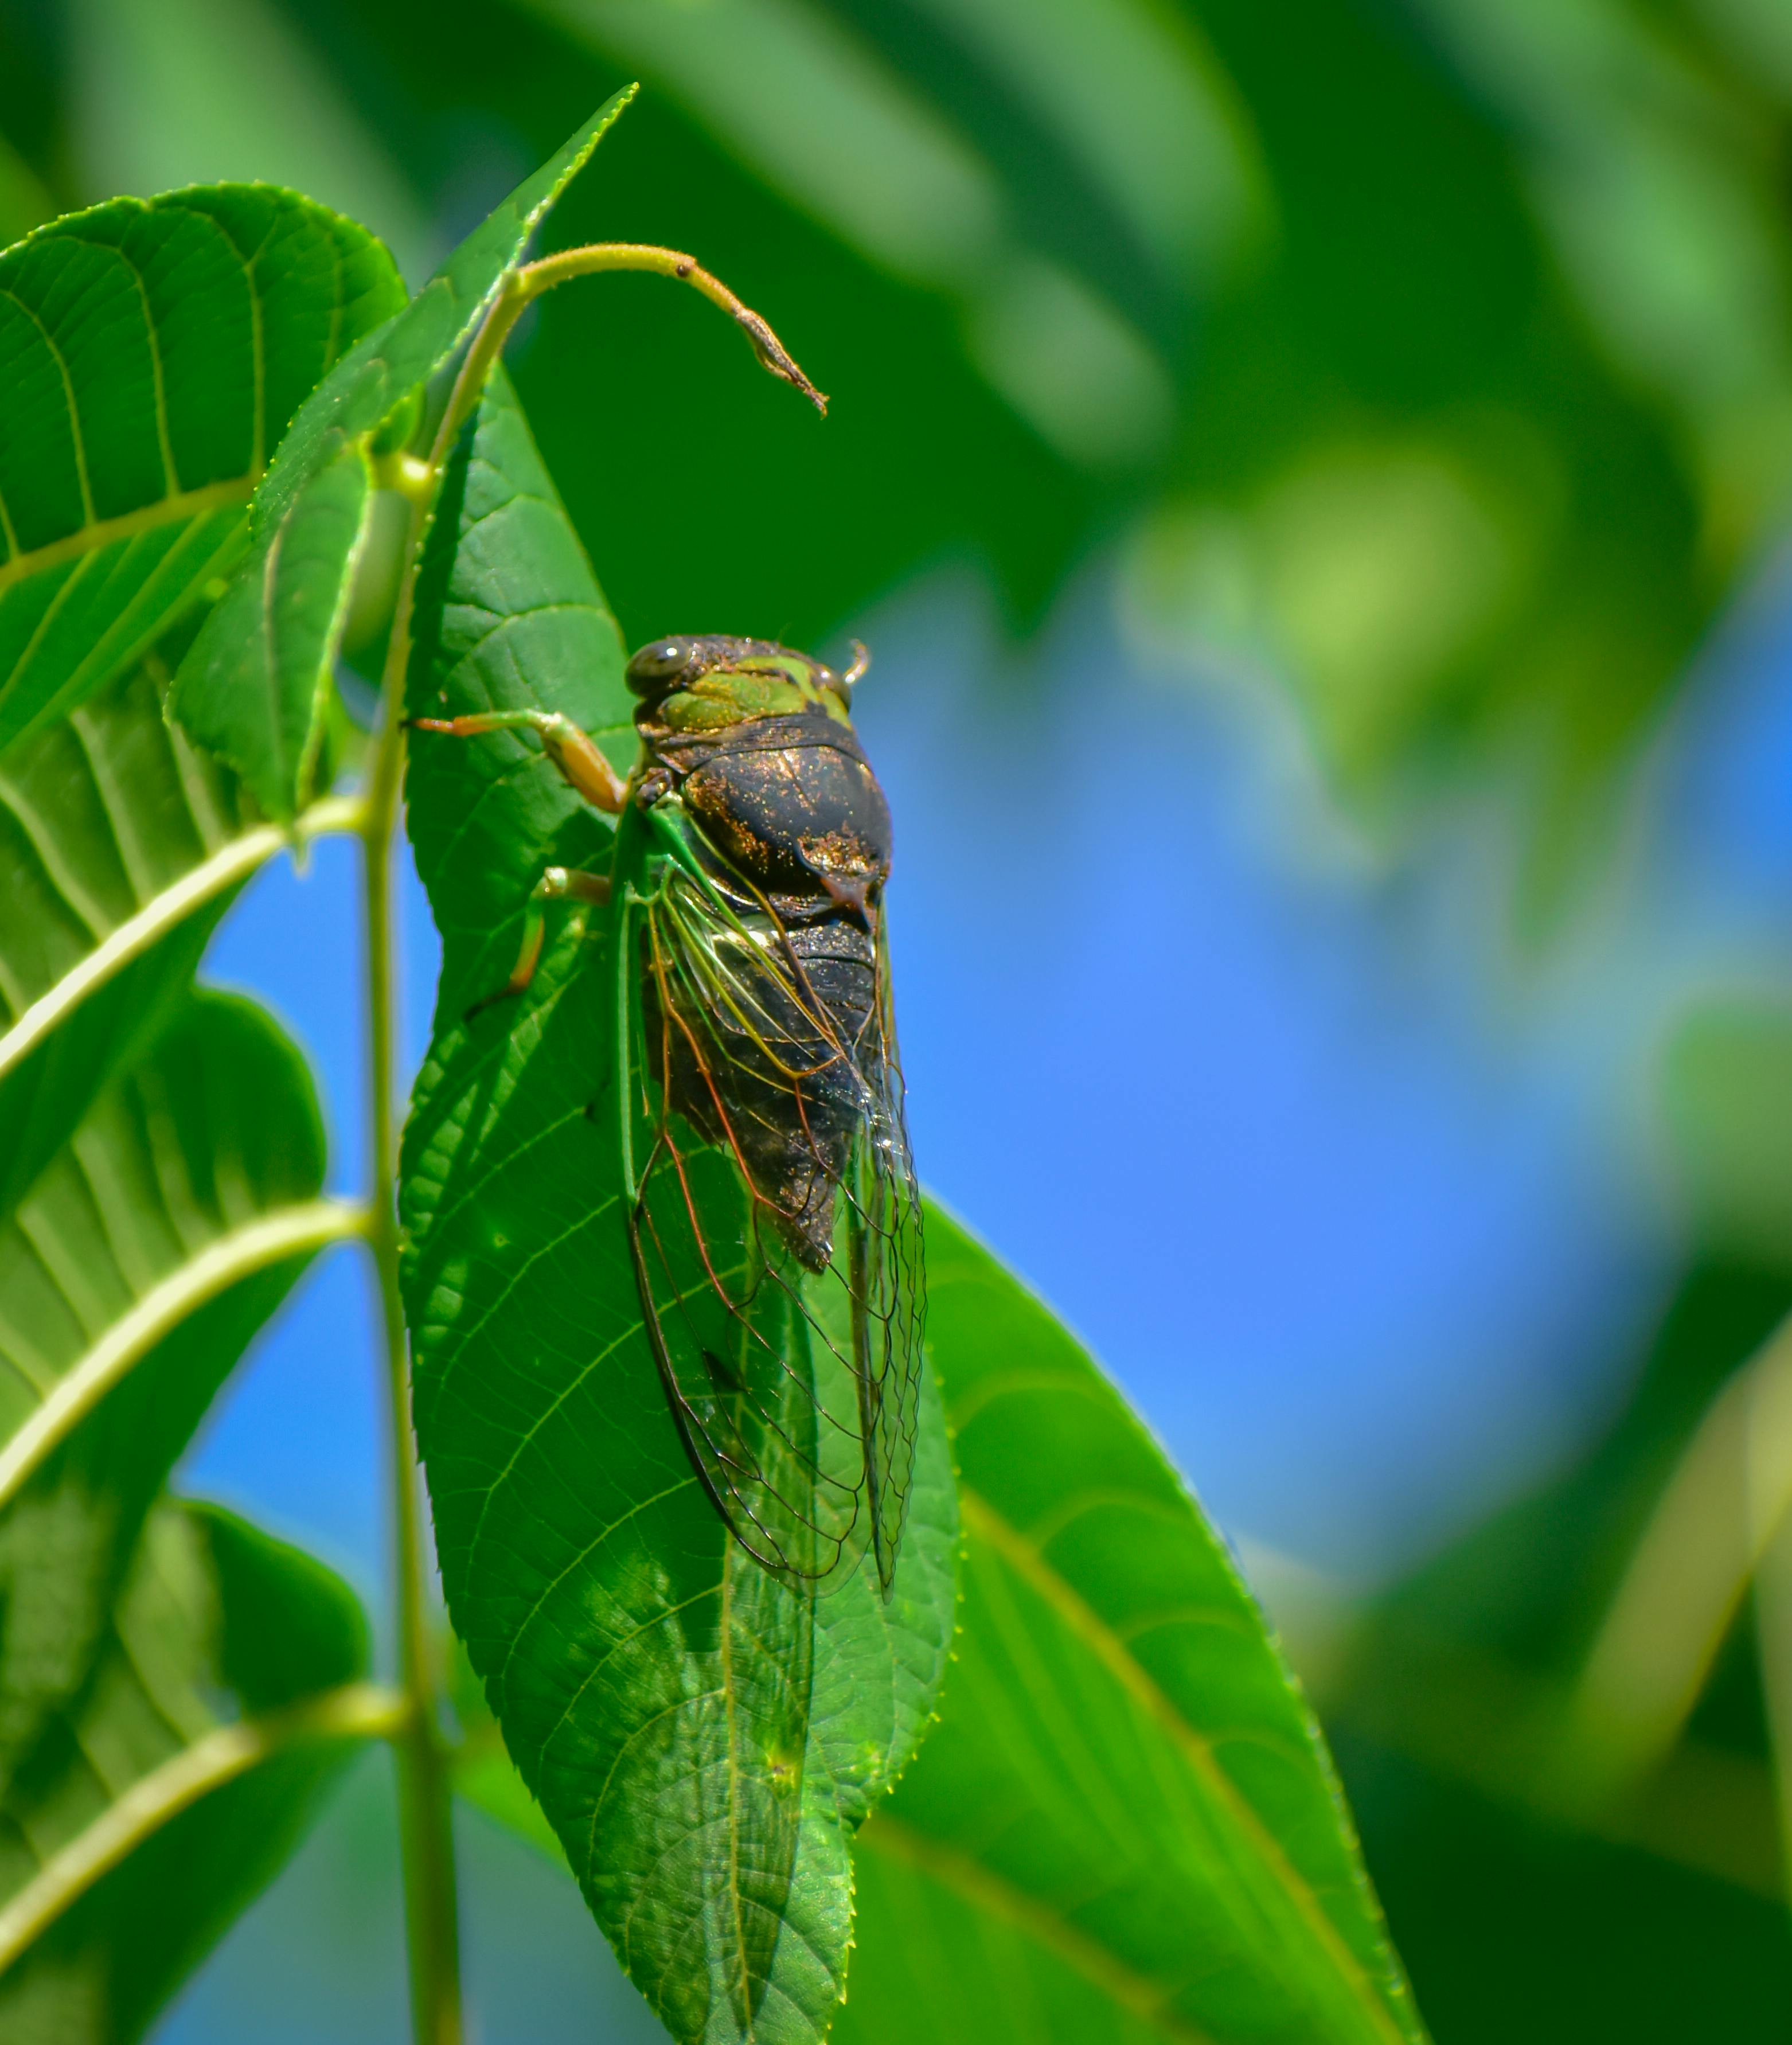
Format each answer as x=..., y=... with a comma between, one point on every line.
x=694, y=686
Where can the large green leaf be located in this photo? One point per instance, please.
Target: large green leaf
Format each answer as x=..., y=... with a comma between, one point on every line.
x=702, y=1738
x=253, y=687
x=222, y=1698
x=1126, y=1825
x=121, y=846
x=151, y=353
x=133, y=1276
x=484, y=1774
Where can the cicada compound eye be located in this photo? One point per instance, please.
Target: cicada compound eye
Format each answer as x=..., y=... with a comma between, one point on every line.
x=658, y=662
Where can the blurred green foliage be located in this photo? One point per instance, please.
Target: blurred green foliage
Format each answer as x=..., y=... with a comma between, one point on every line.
x=1439, y=352
x=1530, y=1899
x=1435, y=355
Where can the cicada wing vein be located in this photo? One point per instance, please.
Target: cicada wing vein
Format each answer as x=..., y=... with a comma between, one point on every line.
x=886, y=1284
x=776, y=1232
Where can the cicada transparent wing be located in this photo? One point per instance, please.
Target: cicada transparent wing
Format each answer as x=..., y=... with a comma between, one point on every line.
x=776, y=1225
x=886, y=1281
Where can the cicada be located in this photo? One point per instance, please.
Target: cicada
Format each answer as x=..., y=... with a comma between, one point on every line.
x=773, y=1214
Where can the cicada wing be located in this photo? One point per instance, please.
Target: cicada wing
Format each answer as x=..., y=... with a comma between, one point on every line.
x=753, y=1112
x=885, y=1281
x=779, y=1456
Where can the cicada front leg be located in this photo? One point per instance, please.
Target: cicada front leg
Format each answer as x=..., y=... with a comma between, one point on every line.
x=581, y=762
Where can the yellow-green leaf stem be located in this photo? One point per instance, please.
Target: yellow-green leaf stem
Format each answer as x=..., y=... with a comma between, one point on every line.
x=529, y=282
x=232, y=862
x=270, y=1239
x=426, y=1810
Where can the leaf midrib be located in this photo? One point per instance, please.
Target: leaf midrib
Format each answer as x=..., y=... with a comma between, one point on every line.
x=233, y=861
x=352, y=1711
x=1024, y=1558
x=271, y=1238
x=1137, y=1993
x=97, y=533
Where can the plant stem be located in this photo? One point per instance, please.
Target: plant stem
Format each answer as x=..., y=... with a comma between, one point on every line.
x=426, y=1813
x=523, y=287
x=425, y=1807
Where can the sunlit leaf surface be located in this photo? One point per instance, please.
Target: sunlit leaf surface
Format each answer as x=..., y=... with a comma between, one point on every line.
x=133, y=1274
x=702, y=1738
x=121, y=845
x=151, y=352
x=253, y=687
x=222, y=1698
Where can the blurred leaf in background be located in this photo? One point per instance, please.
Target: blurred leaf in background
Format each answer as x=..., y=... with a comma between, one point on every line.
x=1440, y=355
x=1430, y=362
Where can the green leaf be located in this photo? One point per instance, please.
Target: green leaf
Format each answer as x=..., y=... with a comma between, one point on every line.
x=703, y=1740
x=508, y=615
x=1728, y=1087
x=223, y=1698
x=271, y=644
x=252, y=690
x=1126, y=1825
x=484, y=1773
x=152, y=352
x=121, y=846
x=133, y=1276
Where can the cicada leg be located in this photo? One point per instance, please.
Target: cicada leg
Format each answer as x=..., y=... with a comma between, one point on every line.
x=581, y=763
x=558, y=884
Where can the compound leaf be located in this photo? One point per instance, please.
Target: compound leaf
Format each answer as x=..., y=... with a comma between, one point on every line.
x=152, y=352
x=703, y=1740
x=253, y=688
x=224, y=1696
x=132, y=1275
x=121, y=846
